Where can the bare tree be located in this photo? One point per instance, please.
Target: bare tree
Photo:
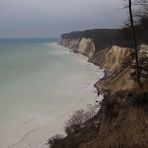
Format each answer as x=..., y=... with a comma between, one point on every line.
x=75, y=122
x=55, y=141
x=141, y=11
x=134, y=41
x=78, y=120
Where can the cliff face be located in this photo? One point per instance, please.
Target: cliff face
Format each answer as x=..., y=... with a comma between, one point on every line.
x=116, y=57
x=70, y=43
x=124, y=109
x=122, y=121
x=87, y=47
x=120, y=70
x=84, y=46
x=92, y=42
x=116, y=64
x=116, y=61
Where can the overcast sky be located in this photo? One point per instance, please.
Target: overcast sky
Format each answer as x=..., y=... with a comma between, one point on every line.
x=50, y=18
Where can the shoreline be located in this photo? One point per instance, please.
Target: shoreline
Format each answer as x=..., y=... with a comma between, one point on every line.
x=122, y=118
x=37, y=131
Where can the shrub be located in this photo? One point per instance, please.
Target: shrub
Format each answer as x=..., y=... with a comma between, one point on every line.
x=75, y=122
x=55, y=141
x=78, y=120
x=139, y=99
x=108, y=106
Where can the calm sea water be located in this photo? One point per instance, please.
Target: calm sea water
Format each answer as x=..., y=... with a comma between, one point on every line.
x=26, y=68
x=40, y=81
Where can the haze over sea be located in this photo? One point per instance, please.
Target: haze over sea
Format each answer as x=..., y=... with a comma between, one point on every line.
x=41, y=84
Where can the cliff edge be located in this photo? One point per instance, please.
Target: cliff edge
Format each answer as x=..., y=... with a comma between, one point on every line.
x=122, y=120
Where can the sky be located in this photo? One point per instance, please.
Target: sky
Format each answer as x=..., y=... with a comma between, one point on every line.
x=51, y=18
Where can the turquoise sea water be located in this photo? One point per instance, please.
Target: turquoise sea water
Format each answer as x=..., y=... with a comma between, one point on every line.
x=40, y=82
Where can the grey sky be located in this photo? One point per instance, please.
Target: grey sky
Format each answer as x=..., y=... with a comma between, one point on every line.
x=50, y=18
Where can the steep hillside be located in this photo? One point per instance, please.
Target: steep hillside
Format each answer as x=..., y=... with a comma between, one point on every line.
x=94, y=43
x=120, y=72
x=122, y=120
x=120, y=123
x=102, y=38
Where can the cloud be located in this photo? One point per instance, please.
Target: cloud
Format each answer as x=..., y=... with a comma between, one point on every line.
x=53, y=17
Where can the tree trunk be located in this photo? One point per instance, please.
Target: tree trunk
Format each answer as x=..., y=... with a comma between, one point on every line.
x=134, y=42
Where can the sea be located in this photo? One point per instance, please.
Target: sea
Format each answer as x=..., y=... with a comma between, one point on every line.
x=41, y=85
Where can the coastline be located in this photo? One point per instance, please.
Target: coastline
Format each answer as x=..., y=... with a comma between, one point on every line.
x=122, y=114
x=35, y=135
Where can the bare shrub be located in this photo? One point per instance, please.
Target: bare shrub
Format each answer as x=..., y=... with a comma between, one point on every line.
x=78, y=120
x=108, y=106
x=138, y=100
x=55, y=141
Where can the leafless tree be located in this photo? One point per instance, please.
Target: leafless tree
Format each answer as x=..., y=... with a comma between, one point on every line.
x=75, y=122
x=134, y=41
x=55, y=141
x=78, y=120
x=141, y=11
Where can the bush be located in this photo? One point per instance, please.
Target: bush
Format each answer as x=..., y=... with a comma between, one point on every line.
x=55, y=141
x=78, y=120
x=108, y=106
x=74, y=124
x=139, y=99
